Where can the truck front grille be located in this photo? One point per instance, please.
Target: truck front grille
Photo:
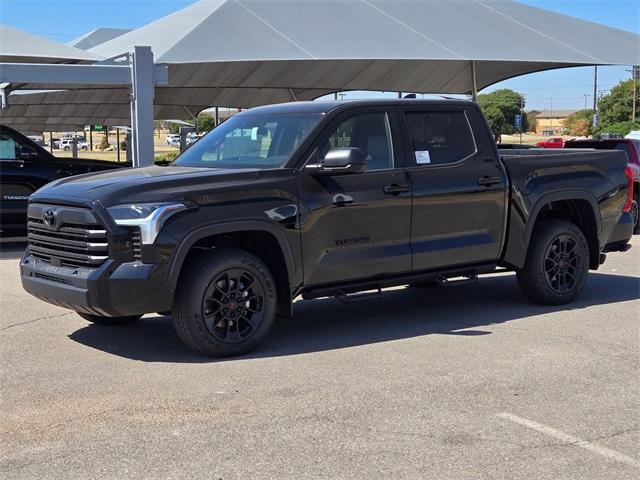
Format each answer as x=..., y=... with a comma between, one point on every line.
x=68, y=244
x=136, y=243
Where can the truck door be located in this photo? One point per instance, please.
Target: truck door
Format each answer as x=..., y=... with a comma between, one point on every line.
x=459, y=188
x=355, y=226
x=16, y=183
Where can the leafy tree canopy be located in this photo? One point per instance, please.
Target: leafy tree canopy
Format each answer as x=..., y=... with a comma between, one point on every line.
x=617, y=106
x=620, y=128
x=500, y=108
x=206, y=122
x=580, y=123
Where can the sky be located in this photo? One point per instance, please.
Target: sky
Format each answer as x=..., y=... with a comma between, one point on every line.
x=64, y=20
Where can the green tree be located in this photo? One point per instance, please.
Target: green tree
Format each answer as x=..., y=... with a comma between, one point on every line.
x=620, y=128
x=500, y=108
x=206, y=122
x=618, y=105
x=579, y=123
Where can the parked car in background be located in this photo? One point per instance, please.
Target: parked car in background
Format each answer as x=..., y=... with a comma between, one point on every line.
x=66, y=139
x=632, y=148
x=633, y=135
x=173, y=139
x=24, y=167
x=555, y=142
x=194, y=137
x=322, y=199
x=66, y=144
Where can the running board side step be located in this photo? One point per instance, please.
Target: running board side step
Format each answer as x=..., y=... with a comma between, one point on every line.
x=452, y=282
x=442, y=277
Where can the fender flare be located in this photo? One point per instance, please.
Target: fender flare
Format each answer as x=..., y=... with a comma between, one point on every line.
x=548, y=198
x=178, y=258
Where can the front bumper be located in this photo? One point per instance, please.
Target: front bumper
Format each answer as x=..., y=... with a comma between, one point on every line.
x=112, y=290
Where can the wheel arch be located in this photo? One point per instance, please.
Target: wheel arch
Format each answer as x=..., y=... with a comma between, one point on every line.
x=578, y=207
x=260, y=238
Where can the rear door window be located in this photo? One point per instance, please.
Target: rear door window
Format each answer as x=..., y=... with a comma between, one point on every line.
x=440, y=138
x=8, y=147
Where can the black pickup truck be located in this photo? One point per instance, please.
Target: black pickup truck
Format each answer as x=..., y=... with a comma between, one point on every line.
x=318, y=199
x=25, y=167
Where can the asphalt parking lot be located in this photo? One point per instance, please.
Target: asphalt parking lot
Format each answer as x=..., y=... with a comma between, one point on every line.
x=468, y=382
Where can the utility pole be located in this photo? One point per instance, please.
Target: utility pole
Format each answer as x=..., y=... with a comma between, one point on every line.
x=521, y=116
x=635, y=73
x=595, y=98
x=586, y=98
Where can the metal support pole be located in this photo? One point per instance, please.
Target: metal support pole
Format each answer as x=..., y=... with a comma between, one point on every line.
x=636, y=75
x=118, y=143
x=51, y=142
x=143, y=89
x=128, y=140
x=474, y=82
x=91, y=137
x=74, y=147
x=217, y=116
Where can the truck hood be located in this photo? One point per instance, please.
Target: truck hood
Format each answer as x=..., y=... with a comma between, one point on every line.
x=147, y=184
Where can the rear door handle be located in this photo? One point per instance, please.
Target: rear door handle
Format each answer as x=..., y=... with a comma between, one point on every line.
x=395, y=189
x=488, y=181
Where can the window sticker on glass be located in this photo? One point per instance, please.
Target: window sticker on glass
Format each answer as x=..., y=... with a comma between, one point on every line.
x=7, y=149
x=423, y=157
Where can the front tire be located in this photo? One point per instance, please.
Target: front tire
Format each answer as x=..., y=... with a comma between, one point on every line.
x=557, y=263
x=109, y=321
x=225, y=303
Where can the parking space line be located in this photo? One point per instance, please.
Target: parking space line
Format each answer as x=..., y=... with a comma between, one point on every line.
x=570, y=439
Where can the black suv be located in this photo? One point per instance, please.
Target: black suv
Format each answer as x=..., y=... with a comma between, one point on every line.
x=321, y=199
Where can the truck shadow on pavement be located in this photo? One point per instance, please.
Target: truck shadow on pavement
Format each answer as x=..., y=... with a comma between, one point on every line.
x=326, y=324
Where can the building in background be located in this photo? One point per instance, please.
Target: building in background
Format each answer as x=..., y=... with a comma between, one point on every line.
x=549, y=122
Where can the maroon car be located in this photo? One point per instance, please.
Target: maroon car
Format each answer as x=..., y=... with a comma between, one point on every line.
x=632, y=148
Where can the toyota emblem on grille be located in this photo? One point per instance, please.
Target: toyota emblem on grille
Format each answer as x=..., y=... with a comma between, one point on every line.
x=50, y=217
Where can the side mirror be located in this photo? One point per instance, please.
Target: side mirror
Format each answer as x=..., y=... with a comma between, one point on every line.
x=340, y=161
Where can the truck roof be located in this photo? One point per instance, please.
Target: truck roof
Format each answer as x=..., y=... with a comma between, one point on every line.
x=323, y=107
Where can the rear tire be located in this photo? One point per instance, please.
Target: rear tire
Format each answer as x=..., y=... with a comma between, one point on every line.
x=557, y=263
x=225, y=302
x=109, y=321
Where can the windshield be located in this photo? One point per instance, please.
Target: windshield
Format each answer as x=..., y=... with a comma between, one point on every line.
x=250, y=141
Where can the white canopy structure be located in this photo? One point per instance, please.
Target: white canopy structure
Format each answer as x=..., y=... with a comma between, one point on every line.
x=243, y=53
x=97, y=37
x=17, y=46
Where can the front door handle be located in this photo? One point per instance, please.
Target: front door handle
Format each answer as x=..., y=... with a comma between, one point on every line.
x=488, y=181
x=395, y=189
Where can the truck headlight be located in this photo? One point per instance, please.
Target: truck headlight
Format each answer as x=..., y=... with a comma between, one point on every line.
x=149, y=217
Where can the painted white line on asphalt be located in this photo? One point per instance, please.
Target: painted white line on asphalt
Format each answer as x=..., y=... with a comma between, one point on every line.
x=569, y=439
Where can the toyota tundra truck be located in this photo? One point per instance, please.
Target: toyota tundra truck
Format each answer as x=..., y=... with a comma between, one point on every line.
x=321, y=199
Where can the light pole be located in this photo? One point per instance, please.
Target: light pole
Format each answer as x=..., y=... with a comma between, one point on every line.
x=635, y=72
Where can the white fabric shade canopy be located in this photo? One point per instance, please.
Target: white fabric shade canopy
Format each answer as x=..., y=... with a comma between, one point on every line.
x=243, y=53
x=17, y=46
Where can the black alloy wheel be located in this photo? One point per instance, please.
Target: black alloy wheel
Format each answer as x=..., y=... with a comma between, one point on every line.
x=234, y=305
x=557, y=263
x=562, y=264
x=225, y=303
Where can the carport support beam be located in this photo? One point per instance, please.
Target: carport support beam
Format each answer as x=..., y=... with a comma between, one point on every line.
x=143, y=87
x=474, y=82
